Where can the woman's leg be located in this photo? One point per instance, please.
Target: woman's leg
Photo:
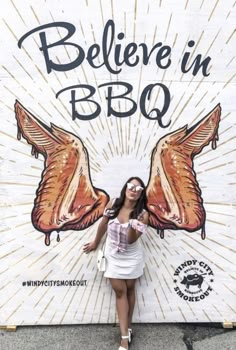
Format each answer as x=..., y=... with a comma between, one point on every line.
x=122, y=306
x=131, y=299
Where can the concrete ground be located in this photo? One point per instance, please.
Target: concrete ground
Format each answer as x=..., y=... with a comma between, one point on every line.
x=106, y=337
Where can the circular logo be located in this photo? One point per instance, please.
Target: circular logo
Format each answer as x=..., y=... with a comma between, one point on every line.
x=193, y=280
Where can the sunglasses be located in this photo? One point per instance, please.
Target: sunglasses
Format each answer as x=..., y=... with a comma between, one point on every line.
x=134, y=188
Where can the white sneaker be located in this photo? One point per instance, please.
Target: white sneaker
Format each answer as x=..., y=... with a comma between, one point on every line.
x=124, y=337
x=130, y=335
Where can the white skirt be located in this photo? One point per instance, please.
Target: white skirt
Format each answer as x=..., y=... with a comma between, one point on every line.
x=124, y=265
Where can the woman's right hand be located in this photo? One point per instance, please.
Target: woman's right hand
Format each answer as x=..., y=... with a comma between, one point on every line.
x=88, y=247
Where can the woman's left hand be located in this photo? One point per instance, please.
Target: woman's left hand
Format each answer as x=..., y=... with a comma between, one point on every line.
x=136, y=224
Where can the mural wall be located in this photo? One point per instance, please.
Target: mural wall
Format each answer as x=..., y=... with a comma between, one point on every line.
x=93, y=92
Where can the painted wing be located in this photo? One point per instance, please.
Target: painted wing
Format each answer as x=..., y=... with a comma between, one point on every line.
x=174, y=195
x=65, y=198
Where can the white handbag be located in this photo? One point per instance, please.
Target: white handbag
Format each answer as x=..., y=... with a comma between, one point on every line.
x=101, y=260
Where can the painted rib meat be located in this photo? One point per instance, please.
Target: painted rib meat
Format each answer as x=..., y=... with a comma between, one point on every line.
x=174, y=196
x=65, y=198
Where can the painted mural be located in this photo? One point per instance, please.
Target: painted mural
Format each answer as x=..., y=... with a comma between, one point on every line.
x=67, y=200
x=100, y=91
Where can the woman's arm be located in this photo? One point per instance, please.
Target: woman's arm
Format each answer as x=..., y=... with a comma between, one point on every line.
x=88, y=247
x=137, y=226
x=102, y=227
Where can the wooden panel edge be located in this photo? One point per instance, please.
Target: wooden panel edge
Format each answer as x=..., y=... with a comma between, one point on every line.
x=228, y=324
x=8, y=328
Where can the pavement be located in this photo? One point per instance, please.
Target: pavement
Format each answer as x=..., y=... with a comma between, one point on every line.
x=106, y=337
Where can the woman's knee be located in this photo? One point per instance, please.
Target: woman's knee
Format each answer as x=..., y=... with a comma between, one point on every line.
x=119, y=288
x=120, y=292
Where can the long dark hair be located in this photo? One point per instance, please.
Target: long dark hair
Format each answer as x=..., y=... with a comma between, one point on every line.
x=140, y=205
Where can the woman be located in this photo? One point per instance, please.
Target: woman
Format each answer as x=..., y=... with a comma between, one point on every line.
x=125, y=219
